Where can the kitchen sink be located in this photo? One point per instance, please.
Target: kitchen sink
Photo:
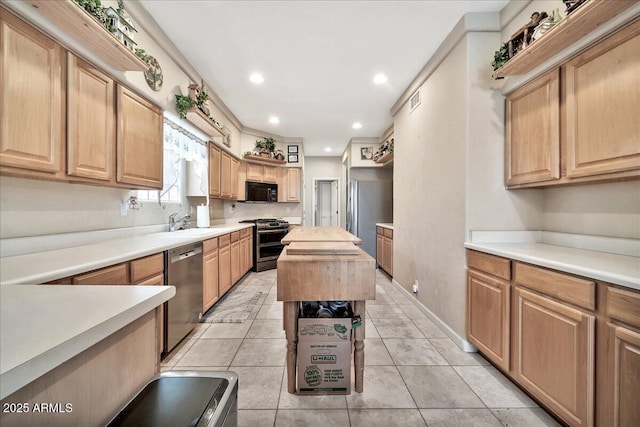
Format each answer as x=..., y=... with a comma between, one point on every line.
x=191, y=232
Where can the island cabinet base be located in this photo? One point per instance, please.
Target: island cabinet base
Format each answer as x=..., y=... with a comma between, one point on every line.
x=92, y=387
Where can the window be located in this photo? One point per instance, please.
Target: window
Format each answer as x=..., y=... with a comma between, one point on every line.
x=179, y=145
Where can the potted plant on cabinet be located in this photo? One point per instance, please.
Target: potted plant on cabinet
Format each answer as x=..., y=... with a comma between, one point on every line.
x=266, y=146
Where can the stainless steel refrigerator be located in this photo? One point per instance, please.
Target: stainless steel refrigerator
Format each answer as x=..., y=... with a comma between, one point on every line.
x=368, y=202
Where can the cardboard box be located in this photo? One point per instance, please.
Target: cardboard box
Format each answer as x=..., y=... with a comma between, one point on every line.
x=324, y=356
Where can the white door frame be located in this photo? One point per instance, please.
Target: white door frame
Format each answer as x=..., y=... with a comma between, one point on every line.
x=314, y=207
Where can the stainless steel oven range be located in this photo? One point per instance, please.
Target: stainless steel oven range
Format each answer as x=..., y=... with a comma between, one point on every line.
x=267, y=235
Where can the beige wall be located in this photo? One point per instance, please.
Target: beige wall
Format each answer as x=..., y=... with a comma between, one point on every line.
x=319, y=167
x=448, y=178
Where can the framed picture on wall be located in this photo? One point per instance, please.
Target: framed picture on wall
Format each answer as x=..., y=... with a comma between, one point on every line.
x=366, y=153
x=292, y=158
x=292, y=149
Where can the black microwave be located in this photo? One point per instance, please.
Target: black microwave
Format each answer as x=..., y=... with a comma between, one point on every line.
x=261, y=192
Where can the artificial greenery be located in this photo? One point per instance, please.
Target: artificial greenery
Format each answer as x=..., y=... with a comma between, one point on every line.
x=268, y=143
x=500, y=57
x=142, y=54
x=183, y=104
x=202, y=97
x=95, y=9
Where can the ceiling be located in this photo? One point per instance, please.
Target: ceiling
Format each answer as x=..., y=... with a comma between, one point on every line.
x=318, y=59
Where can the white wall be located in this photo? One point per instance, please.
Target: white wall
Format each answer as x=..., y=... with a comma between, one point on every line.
x=319, y=167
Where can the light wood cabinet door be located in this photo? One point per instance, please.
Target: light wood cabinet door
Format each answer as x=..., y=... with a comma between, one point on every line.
x=142, y=268
x=32, y=98
x=602, y=89
x=224, y=260
x=157, y=280
x=114, y=275
x=532, y=140
x=255, y=172
x=270, y=174
x=380, y=250
x=214, y=171
x=91, y=136
x=553, y=355
x=488, y=316
x=626, y=378
x=210, y=292
x=387, y=255
x=243, y=255
x=225, y=176
x=235, y=262
x=139, y=141
x=233, y=171
x=293, y=184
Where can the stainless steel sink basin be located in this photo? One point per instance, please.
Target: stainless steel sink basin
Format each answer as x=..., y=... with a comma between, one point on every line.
x=191, y=232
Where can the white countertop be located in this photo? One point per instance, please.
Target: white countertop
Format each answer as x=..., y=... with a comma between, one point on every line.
x=51, y=265
x=613, y=268
x=388, y=225
x=42, y=326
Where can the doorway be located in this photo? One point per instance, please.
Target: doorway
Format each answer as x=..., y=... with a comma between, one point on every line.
x=326, y=209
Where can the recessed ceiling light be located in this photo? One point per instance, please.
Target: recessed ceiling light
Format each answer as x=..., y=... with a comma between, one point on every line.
x=256, y=78
x=328, y=149
x=379, y=79
x=274, y=120
x=356, y=125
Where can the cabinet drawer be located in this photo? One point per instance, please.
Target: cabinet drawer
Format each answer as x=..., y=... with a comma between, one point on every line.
x=567, y=288
x=624, y=306
x=157, y=280
x=224, y=240
x=494, y=265
x=235, y=236
x=388, y=233
x=115, y=275
x=379, y=230
x=245, y=233
x=209, y=245
x=146, y=267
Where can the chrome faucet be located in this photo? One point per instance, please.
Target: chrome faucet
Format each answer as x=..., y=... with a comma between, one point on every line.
x=178, y=224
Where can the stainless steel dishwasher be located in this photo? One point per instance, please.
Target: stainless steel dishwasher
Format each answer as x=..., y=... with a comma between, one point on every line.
x=184, y=310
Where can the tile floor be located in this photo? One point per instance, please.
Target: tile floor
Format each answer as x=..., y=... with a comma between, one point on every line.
x=414, y=374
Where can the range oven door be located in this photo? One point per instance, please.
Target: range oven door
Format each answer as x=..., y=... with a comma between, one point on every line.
x=269, y=245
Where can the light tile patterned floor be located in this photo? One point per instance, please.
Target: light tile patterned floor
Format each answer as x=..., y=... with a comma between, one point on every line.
x=414, y=374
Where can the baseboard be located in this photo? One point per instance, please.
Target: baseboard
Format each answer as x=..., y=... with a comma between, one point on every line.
x=460, y=341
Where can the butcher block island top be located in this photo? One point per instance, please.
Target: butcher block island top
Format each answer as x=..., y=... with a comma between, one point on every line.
x=320, y=234
x=323, y=264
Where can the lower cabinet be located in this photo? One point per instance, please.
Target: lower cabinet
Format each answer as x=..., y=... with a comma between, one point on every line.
x=210, y=290
x=554, y=349
x=235, y=257
x=384, y=249
x=114, y=275
x=224, y=260
x=571, y=342
x=488, y=316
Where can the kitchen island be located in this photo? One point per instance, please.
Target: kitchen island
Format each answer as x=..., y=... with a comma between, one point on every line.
x=323, y=264
x=75, y=355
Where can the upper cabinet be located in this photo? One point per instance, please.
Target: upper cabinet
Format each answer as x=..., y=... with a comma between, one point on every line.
x=109, y=135
x=91, y=137
x=214, y=170
x=139, y=141
x=260, y=173
x=289, y=184
x=532, y=132
x=602, y=97
x=587, y=131
x=32, y=100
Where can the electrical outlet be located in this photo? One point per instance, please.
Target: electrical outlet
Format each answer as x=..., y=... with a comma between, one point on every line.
x=124, y=207
x=416, y=287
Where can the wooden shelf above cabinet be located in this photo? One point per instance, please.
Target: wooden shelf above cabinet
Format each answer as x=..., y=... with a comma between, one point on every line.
x=204, y=123
x=568, y=31
x=386, y=158
x=251, y=158
x=77, y=23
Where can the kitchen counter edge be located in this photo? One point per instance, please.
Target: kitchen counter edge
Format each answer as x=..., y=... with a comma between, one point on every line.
x=622, y=270
x=42, y=267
